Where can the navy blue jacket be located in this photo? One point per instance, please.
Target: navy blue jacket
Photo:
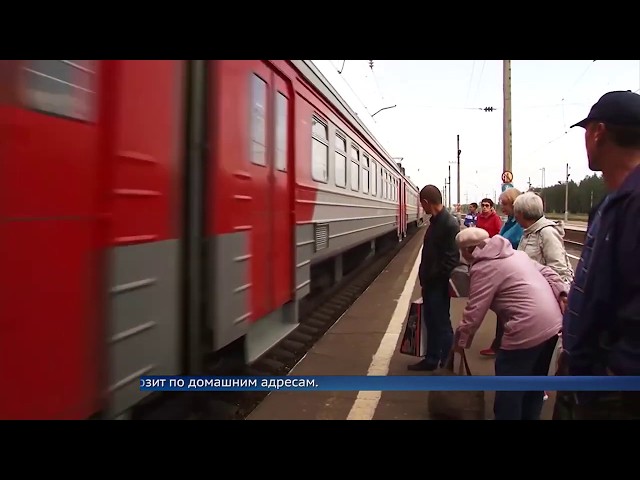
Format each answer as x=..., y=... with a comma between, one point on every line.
x=605, y=334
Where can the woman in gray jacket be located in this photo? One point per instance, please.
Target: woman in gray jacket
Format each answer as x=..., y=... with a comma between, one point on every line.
x=542, y=239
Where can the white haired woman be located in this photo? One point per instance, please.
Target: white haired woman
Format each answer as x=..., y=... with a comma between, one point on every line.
x=528, y=296
x=542, y=239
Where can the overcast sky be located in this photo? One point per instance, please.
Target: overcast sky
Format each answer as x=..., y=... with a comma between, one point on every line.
x=437, y=100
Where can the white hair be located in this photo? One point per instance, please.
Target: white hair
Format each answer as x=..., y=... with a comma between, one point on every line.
x=529, y=205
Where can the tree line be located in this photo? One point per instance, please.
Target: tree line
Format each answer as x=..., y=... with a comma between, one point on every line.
x=582, y=196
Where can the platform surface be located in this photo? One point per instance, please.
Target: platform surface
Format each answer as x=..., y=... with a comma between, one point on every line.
x=365, y=341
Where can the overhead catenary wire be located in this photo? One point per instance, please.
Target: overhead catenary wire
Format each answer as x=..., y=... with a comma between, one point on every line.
x=353, y=91
x=562, y=105
x=484, y=62
x=473, y=68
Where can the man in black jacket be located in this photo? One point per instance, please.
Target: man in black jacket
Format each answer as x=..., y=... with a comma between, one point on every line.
x=440, y=256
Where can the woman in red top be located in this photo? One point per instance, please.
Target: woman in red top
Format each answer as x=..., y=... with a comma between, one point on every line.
x=488, y=219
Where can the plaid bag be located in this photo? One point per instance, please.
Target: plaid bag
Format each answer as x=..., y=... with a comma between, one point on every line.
x=414, y=341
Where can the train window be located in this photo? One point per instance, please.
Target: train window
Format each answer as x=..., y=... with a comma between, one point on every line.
x=281, y=115
x=386, y=185
x=355, y=168
x=383, y=181
x=319, y=151
x=341, y=161
x=365, y=173
x=61, y=87
x=374, y=183
x=258, y=120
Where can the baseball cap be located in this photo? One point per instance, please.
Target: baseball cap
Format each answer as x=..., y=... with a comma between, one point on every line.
x=615, y=108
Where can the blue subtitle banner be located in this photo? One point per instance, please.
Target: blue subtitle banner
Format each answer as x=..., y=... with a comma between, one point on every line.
x=388, y=383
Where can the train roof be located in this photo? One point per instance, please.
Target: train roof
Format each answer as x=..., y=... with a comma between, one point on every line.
x=318, y=80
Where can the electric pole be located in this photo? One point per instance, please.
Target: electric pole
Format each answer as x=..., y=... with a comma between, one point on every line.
x=506, y=116
x=449, y=186
x=566, y=197
x=445, y=192
x=459, y=206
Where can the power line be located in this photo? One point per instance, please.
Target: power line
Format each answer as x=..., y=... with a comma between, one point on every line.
x=562, y=105
x=473, y=68
x=479, y=80
x=375, y=80
x=353, y=91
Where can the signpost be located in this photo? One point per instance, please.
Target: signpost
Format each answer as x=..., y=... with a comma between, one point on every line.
x=507, y=178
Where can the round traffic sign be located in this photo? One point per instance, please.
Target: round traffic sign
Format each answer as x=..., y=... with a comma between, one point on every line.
x=507, y=177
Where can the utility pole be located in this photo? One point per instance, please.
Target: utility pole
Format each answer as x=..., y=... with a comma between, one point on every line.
x=506, y=116
x=459, y=205
x=449, y=186
x=566, y=197
x=445, y=192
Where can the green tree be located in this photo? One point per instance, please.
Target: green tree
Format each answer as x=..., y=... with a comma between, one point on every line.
x=582, y=196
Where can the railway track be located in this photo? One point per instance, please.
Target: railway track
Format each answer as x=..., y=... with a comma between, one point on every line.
x=574, y=241
x=322, y=314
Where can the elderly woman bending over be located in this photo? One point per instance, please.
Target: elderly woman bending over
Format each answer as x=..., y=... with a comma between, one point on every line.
x=542, y=239
x=529, y=298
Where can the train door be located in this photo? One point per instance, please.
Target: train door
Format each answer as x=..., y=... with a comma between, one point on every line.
x=48, y=222
x=271, y=241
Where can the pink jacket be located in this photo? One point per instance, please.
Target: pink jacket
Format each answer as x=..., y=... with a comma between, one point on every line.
x=523, y=292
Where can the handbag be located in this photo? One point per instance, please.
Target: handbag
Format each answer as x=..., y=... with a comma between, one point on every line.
x=464, y=405
x=459, y=281
x=414, y=340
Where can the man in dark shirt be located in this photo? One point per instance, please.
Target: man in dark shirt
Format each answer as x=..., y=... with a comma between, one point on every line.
x=440, y=255
x=601, y=326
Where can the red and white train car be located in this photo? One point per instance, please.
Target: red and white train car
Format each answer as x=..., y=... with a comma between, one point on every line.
x=153, y=213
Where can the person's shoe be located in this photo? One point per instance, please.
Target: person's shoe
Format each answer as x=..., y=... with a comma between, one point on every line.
x=488, y=352
x=422, y=365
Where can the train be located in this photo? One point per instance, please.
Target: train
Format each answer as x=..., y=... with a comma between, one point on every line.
x=159, y=216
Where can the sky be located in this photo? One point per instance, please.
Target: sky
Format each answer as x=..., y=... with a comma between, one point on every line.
x=436, y=100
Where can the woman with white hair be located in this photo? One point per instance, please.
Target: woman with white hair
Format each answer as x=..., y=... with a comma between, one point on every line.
x=529, y=298
x=542, y=238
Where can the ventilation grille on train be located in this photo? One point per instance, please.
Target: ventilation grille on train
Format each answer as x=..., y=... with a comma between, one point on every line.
x=322, y=235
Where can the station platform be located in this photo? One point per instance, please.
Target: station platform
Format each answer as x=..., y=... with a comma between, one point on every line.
x=366, y=341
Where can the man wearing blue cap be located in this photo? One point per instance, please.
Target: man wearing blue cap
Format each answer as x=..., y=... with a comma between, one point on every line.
x=601, y=325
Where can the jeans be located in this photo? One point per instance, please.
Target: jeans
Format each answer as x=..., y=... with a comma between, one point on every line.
x=437, y=322
x=525, y=362
x=495, y=345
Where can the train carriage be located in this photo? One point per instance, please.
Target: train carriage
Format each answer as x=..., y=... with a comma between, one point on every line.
x=161, y=217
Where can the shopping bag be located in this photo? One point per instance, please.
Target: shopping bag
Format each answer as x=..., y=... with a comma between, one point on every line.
x=459, y=281
x=465, y=405
x=414, y=341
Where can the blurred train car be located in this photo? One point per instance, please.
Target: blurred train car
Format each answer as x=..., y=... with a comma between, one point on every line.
x=157, y=217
